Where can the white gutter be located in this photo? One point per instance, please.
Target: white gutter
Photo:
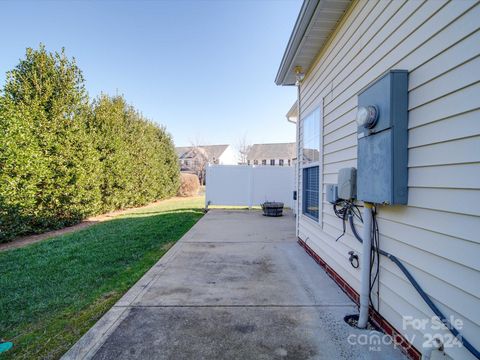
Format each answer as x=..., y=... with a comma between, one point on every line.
x=292, y=114
x=304, y=17
x=315, y=23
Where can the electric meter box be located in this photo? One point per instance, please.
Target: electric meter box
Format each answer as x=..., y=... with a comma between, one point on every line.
x=382, y=163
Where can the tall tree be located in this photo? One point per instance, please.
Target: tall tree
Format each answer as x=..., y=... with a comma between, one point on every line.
x=45, y=104
x=62, y=159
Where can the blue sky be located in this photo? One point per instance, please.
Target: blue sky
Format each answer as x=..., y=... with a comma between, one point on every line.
x=204, y=69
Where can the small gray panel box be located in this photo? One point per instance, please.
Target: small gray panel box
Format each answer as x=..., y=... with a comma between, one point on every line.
x=382, y=174
x=347, y=183
x=332, y=193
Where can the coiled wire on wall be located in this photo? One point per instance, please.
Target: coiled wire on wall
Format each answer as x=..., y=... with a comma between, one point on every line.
x=347, y=209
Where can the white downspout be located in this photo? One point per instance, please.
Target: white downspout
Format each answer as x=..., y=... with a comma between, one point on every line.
x=365, y=270
x=297, y=167
x=299, y=76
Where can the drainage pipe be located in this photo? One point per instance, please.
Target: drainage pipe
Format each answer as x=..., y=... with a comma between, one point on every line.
x=297, y=167
x=298, y=82
x=435, y=345
x=365, y=270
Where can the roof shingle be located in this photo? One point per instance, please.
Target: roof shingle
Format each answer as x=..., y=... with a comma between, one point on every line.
x=272, y=151
x=212, y=151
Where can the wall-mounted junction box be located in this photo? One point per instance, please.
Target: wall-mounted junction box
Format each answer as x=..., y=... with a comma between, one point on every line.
x=332, y=193
x=382, y=119
x=347, y=183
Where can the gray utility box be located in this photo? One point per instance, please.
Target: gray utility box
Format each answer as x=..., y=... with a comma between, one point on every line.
x=332, y=193
x=347, y=183
x=382, y=172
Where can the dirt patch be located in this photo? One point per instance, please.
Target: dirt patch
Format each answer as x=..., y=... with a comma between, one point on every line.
x=31, y=239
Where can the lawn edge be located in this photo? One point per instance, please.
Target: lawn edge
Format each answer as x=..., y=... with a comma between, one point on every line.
x=23, y=241
x=86, y=347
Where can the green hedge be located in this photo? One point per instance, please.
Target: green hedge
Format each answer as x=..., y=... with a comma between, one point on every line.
x=63, y=157
x=138, y=159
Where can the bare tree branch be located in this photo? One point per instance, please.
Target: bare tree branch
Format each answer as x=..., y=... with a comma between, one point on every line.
x=198, y=159
x=243, y=146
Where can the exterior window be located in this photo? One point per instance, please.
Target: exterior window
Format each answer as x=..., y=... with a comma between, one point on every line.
x=280, y=162
x=311, y=137
x=264, y=162
x=289, y=162
x=186, y=162
x=310, y=192
x=310, y=164
x=272, y=162
x=255, y=162
x=248, y=162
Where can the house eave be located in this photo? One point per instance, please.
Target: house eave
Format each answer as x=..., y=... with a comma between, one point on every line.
x=316, y=21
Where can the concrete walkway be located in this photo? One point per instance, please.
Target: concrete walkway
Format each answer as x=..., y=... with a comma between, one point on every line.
x=236, y=286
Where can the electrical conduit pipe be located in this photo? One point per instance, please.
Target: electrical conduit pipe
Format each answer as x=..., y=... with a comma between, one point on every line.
x=365, y=266
x=436, y=345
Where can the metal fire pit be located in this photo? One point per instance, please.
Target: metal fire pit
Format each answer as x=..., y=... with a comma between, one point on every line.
x=272, y=208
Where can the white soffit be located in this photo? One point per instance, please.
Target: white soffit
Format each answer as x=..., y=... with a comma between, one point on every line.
x=316, y=21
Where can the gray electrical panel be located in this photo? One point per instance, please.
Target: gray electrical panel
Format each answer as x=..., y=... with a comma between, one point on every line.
x=347, y=183
x=382, y=172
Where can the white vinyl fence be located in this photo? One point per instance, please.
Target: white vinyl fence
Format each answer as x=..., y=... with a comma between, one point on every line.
x=243, y=185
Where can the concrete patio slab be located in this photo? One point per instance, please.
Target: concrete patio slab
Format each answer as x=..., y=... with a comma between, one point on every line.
x=240, y=226
x=236, y=286
x=241, y=274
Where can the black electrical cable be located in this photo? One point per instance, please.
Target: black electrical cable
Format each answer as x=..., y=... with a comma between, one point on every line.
x=375, y=255
x=344, y=209
x=417, y=287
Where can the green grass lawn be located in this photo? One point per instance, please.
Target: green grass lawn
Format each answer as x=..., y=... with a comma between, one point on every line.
x=53, y=291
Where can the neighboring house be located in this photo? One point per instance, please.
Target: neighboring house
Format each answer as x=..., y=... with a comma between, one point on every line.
x=281, y=154
x=195, y=159
x=338, y=49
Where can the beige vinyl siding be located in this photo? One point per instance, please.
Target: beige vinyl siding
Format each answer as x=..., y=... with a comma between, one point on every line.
x=437, y=236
